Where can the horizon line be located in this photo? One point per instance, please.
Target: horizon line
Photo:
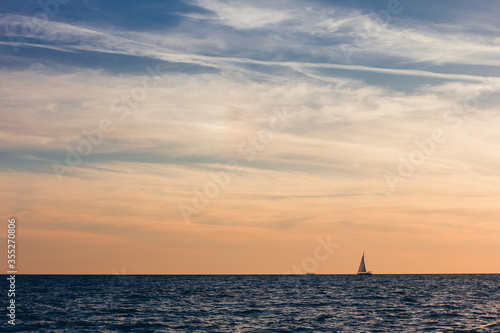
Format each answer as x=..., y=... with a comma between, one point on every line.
x=230, y=274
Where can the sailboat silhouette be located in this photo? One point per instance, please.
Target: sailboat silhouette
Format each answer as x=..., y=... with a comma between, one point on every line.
x=362, y=266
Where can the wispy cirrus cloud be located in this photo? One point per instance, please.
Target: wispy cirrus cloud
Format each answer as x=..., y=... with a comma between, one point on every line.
x=328, y=32
x=242, y=15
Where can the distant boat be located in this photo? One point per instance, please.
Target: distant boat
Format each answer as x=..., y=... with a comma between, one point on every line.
x=310, y=273
x=362, y=266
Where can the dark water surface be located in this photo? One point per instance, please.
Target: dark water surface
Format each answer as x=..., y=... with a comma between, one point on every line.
x=255, y=303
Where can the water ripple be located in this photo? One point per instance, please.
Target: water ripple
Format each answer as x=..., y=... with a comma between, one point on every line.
x=319, y=303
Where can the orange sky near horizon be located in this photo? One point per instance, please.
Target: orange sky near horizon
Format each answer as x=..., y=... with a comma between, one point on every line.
x=119, y=223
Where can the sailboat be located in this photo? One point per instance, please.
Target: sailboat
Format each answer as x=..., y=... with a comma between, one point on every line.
x=362, y=267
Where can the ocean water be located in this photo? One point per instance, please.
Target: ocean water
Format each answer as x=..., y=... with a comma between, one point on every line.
x=256, y=303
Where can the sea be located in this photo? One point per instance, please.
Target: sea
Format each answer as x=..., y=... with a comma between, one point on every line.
x=255, y=303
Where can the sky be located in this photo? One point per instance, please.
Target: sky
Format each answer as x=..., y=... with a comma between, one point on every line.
x=250, y=137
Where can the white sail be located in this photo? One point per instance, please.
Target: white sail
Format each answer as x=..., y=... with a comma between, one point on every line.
x=362, y=267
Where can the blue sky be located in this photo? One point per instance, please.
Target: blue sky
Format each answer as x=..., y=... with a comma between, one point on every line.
x=417, y=36
x=186, y=85
x=421, y=44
